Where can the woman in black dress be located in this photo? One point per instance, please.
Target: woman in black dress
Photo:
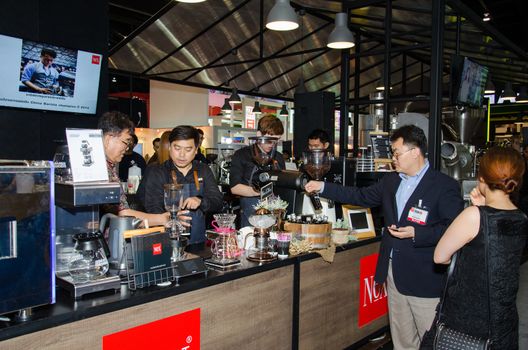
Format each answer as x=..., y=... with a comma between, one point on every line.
x=495, y=219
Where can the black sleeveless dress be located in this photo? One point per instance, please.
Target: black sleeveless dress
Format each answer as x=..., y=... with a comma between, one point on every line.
x=466, y=303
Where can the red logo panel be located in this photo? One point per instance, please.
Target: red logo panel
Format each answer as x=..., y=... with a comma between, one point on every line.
x=372, y=296
x=96, y=59
x=175, y=332
x=156, y=249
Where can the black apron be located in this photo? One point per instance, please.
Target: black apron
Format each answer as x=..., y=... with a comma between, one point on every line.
x=198, y=218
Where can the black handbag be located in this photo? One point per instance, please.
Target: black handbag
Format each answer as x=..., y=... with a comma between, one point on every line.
x=447, y=338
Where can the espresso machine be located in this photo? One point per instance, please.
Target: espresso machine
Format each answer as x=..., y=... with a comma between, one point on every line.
x=27, y=230
x=77, y=223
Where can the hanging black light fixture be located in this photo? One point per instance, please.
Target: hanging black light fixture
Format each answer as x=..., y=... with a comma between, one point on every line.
x=490, y=87
x=226, y=108
x=256, y=109
x=284, y=111
x=234, y=98
x=508, y=93
x=523, y=95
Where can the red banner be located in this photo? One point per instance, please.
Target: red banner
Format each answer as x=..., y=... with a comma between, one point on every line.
x=176, y=332
x=372, y=296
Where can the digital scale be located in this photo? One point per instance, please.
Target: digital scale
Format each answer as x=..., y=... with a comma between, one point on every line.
x=188, y=267
x=78, y=289
x=222, y=264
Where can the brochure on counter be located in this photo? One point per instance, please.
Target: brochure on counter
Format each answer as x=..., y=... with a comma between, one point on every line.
x=87, y=158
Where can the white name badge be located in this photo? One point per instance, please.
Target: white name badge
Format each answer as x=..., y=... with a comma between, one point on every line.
x=418, y=215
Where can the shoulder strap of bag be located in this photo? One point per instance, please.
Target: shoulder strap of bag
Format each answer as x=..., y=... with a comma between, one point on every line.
x=449, y=276
x=486, y=257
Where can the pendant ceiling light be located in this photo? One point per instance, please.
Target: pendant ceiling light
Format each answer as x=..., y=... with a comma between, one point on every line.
x=341, y=37
x=523, y=95
x=284, y=111
x=226, y=108
x=490, y=87
x=508, y=92
x=256, y=109
x=282, y=17
x=235, y=98
x=380, y=85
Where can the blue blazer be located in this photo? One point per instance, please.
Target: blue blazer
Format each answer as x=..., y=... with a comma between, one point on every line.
x=413, y=268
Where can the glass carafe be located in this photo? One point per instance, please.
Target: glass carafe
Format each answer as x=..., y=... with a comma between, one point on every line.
x=89, y=259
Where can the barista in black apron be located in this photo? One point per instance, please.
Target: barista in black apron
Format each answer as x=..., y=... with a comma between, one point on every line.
x=201, y=193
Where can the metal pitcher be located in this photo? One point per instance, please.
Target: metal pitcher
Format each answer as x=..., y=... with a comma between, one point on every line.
x=118, y=225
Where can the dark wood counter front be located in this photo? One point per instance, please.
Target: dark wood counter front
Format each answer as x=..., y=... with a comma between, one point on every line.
x=301, y=302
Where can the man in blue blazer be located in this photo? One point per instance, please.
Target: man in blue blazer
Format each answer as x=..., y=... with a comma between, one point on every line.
x=418, y=205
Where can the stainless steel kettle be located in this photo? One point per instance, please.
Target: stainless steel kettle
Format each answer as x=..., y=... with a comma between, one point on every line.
x=118, y=225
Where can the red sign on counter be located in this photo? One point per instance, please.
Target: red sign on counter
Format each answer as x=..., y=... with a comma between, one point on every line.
x=372, y=296
x=176, y=332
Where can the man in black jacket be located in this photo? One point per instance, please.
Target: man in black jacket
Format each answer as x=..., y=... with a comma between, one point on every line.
x=201, y=192
x=418, y=205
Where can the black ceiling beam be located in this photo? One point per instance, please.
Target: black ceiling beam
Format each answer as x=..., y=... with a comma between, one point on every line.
x=224, y=55
x=292, y=68
x=197, y=35
x=142, y=27
x=276, y=53
x=238, y=62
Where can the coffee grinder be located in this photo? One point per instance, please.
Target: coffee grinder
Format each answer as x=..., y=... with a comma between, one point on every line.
x=287, y=184
x=211, y=154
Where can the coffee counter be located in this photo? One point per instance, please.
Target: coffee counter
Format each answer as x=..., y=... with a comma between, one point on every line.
x=301, y=302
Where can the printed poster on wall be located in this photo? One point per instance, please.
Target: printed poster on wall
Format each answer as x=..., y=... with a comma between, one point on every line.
x=178, y=332
x=87, y=158
x=372, y=296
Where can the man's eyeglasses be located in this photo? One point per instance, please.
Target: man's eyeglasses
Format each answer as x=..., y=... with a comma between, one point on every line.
x=128, y=145
x=397, y=155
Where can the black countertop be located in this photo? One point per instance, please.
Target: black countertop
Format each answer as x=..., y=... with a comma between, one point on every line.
x=67, y=310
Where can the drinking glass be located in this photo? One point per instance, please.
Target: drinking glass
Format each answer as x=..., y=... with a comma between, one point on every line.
x=173, y=200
